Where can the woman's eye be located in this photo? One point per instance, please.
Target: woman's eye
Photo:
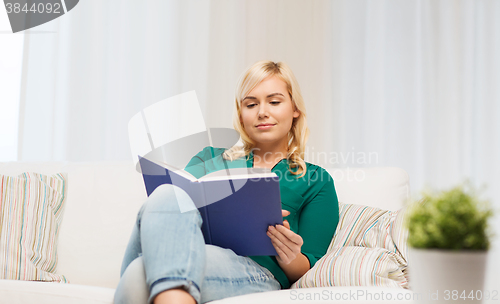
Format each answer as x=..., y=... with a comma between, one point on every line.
x=251, y=105
x=275, y=103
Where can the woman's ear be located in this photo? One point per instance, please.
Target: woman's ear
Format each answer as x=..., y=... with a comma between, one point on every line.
x=296, y=113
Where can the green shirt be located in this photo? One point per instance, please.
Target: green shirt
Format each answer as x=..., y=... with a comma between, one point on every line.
x=311, y=200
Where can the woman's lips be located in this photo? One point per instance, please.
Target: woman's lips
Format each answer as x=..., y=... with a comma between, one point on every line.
x=264, y=126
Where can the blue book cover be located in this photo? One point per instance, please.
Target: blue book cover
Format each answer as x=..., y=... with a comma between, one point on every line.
x=236, y=205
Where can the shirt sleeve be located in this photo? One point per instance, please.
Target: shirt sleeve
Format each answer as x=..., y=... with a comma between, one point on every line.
x=319, y=218
x=196, y=165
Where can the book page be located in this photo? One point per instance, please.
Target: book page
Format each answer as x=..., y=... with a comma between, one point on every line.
x=178, y=171
x=238, y=173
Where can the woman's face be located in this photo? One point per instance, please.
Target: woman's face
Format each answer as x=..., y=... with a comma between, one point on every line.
x=267, y=113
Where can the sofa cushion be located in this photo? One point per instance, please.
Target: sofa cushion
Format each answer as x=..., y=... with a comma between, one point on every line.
x=354, y=222
x=354, y=266
x=103, y=201
x=31, y=212
x=22, y=292
x=322, y=295
x=368, y=249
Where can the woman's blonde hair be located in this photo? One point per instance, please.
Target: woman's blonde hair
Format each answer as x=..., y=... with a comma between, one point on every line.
x=299, y=132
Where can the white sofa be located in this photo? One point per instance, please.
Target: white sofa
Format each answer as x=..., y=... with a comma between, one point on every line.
x=101, y=205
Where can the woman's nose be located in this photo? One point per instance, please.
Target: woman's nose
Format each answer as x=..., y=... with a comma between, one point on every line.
x=263, y=111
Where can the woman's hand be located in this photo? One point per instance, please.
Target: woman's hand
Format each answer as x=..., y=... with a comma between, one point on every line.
x=286, y=242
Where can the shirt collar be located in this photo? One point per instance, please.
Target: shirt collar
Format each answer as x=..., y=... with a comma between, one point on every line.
x=282, y=165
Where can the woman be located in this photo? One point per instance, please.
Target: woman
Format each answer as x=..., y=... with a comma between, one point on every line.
x=167, y=261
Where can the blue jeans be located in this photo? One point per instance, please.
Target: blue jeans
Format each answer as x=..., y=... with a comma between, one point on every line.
x=167, y=250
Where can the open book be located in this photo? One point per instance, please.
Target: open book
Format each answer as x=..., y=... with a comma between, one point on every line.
x=236, y=205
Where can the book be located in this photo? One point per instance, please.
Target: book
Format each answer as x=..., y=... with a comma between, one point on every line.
x=236, y=205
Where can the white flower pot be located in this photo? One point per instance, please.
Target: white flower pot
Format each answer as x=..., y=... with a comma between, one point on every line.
x=444, y=276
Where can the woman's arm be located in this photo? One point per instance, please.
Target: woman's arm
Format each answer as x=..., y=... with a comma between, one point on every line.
x=196, y=165
x=317, y=223
x=296, y=269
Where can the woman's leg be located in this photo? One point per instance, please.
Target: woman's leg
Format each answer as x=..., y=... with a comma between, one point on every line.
x=170, y=244
x=132, y=287
x=226, y=275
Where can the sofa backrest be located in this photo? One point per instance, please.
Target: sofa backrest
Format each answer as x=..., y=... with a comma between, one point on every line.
x=386, y=188
x=102, y=202
x=103, y=199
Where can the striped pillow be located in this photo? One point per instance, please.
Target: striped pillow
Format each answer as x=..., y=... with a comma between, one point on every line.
x=368, y=249
x=354, y=221
x=31, y=207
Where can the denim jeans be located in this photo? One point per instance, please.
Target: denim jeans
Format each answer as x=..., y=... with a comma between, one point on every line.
x=167, y=250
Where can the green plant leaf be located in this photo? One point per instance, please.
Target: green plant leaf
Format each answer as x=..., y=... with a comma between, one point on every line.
x=454, y=220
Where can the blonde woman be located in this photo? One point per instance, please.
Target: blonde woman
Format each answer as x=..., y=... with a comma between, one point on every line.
x=167, y=260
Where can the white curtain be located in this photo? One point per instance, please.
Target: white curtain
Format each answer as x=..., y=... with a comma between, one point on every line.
x=413, y=84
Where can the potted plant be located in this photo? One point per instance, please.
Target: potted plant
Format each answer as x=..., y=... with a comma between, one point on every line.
x=449, y=239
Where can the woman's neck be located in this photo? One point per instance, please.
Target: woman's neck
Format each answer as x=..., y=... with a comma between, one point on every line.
x=268, y=158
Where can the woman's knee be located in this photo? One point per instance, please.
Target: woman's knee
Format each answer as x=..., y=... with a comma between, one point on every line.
x=168, y=198
x=132, y=288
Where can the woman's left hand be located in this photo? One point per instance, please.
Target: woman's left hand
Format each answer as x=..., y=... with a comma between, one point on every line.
x=286, y=242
